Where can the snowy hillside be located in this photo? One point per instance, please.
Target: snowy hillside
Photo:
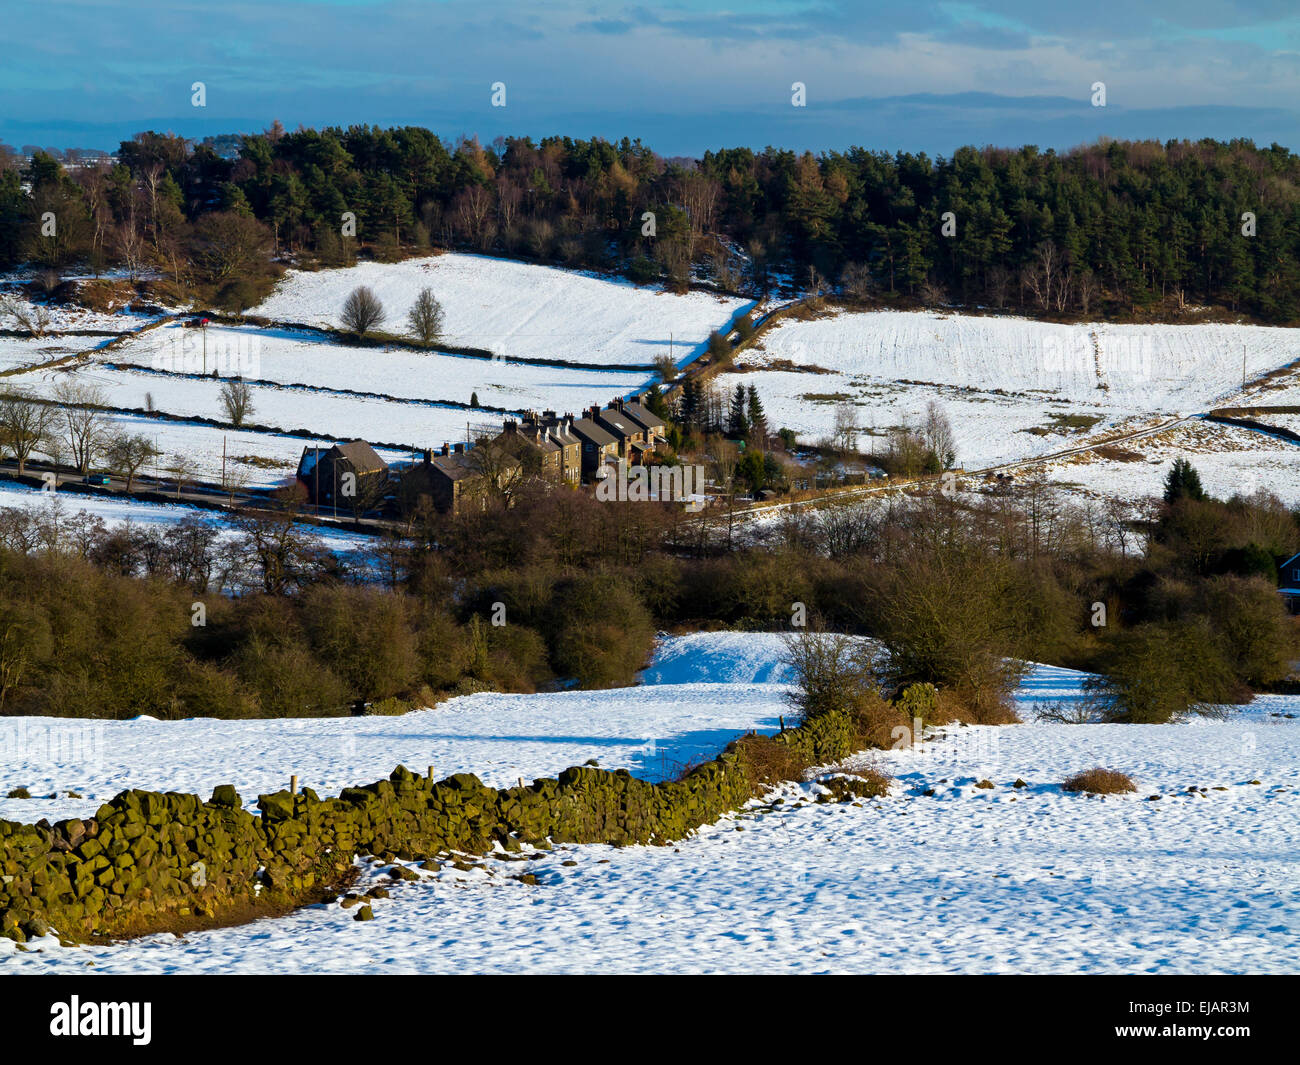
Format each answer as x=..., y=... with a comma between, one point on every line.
x=1007, y=383
x=1004, y=879
x=518, y=310
x=305, y=359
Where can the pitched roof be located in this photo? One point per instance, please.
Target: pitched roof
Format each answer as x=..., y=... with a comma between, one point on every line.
x=454, y=467
x=538, y=438
x=310, y=456
x=641, y=413
x=618, y=422
x=362, y=456
x=593, y=433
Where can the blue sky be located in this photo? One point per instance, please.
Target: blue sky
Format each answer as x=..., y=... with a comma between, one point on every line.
x=920, y=75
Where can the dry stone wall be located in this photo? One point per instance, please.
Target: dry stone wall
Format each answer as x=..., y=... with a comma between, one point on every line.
x=150, y=861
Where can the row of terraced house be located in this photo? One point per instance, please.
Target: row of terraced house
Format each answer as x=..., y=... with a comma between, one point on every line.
x=574, y=450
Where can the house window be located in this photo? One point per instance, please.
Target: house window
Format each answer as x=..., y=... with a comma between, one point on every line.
x=1295, y=574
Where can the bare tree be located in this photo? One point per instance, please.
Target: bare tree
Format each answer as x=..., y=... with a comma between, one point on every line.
x=844, y=431
x=23, y=424
x=283, y=555
x=725, y=468
x=1041, y=276
x=127, y=453
x=1088, y=290
x=362, y=311
x=426, y=317
x=938, y=436
x=998, y=283
x=237, y=401
x=846, y=527
x=857, y=281
x=226, y=244
x=499, y=465
x=182, y=468
x=31, y=317
x=234, y=479
x=80, y=423
x=131, y=247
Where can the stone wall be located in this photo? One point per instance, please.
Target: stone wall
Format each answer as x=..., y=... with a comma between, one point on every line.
x=150, y=861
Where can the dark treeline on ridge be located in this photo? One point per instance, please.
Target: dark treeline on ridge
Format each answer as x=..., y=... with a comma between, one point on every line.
x=1122, y=229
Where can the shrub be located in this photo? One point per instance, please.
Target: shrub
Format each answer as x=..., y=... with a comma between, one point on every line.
x=831, y=672
x=600, y=633
x=290, y=682
x=665, y=367
x=1156, y=671
x=877, y=722
x=389, y=707
x=364, y=637
x=643, y=270
x=1099, y=782
x=944, y=615
x=919, y=702
x=1257, y=637
x=767, y=760
x=19, y=793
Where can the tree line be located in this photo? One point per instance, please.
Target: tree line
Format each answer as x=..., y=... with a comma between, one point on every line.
x=1175, y=608
x=1115, y=228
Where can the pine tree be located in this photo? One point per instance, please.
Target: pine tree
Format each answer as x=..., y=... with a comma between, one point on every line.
x=689, y=414
x=473, y=399
x=757, y=417
x=1183, y=482
x=654, y=402
x=737, y=420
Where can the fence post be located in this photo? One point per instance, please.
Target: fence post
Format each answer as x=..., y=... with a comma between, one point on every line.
x=293, y=785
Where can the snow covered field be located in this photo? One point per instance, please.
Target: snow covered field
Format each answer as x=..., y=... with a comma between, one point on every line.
x=518, y=310
x=1000, y=376
x=1230, y=460
x=114, y=511
x=1014, y=389
x=1000, y=880
x=297, y=358
x=331, y=415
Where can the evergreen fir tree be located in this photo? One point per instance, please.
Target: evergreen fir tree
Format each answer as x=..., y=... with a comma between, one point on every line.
x=737, y=420
x=1183, y=482
x=689, y=413
x=757, y=417
x=654, y=402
